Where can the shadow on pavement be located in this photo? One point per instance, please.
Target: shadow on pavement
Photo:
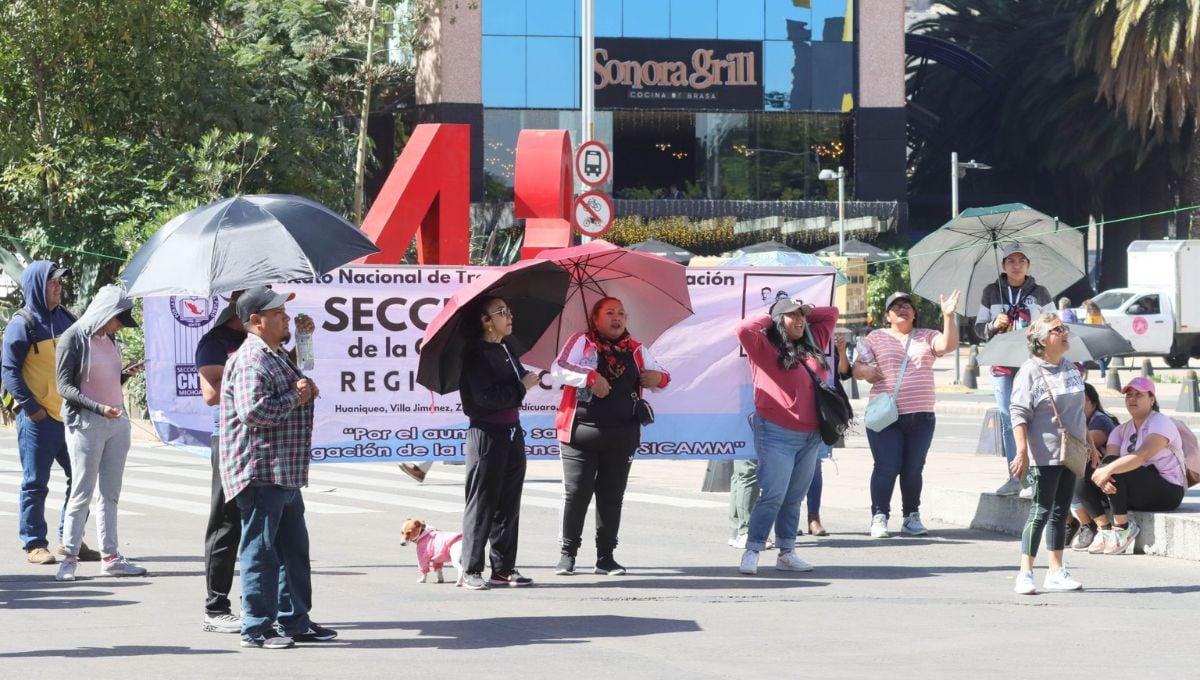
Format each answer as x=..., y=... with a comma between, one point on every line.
x=40, y=594
x=511, y=631
x=126, y=650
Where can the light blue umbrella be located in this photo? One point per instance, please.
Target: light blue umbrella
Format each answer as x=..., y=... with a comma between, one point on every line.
x=776, y=254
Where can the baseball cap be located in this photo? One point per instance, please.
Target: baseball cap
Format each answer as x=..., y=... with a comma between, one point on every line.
x=788, y=305
x=898, y=295
x=126, y=319
x=230, y=309
x=58, y=271
x=259, y=299
x=1013, y=249
x=1141, y=384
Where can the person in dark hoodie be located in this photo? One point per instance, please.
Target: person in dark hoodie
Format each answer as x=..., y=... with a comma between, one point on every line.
x=90, y=372
x=28, y=373
x=1011, y=304
x=492, y=386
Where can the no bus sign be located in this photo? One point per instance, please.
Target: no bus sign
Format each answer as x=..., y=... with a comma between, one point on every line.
x=593, y=214
x=593, y=164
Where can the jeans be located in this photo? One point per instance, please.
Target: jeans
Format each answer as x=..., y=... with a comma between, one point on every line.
x=276, y=572
x=99, y=447
x=221, y=538
x=786, y=459
x=596, y=460
x=495, y=479
x=899, y=450
x=1002, y=388
x=40, y=443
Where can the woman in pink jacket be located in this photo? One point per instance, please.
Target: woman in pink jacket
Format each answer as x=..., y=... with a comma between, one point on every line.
x=603, y=373
x=787, y=436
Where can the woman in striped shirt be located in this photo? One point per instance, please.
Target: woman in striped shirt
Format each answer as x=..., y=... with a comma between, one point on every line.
x=899, y=449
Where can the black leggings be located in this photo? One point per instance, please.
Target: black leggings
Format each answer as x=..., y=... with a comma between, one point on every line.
x=596, y=460
x=1052, y=487
x=1140, y=489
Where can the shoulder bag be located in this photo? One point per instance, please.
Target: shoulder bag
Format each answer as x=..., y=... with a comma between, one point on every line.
x=881, y=409
x=1073, y=451
x=833, y=407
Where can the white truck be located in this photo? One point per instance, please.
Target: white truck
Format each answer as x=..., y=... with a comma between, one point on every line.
x=1159, y=311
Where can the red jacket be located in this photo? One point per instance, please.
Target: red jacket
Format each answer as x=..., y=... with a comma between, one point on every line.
x=575, y=367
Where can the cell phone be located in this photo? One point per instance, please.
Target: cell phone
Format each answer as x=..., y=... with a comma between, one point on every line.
x=136, y=364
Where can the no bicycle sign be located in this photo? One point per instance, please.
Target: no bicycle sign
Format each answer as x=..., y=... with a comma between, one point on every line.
x=593, y=214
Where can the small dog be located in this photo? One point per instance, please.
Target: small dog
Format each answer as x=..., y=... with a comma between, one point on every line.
x=434, y=548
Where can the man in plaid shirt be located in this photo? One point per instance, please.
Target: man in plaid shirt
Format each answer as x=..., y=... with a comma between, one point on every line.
x=265, y=439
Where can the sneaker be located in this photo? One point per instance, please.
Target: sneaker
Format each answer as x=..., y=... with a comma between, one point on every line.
x=413, y=470
x=912, y=525
x=117, y=565
x=1083, y=540
x=1026, y=493
x=566, y=565
x=1060, y=580
x=39, y=556
x=605, y=564
x=749, y=563
x=315, y=633
x=1010, y=488
x=1025, y=584
x=225, y=622
x=512, y=579
x=474, y=582
x=1101, y=542
x=739, y=542
x=788, y=560
x=1072, y=529
x=879, y=526
x=66, y=570
x=1123, y=539
x=86, y=554
x=268, y=640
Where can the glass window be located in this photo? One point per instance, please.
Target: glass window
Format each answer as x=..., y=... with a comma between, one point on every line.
x=1148, y=304
x=608, y=19
x=503, y=72
x=549, y=17
x=552, y=73
x=500, y=130
x=647, y=19
x=693, y=18
x=740, y=19
x=504, y=17
x=783, y=17
x=832, y=76
x=829, y=20
x=787, y=76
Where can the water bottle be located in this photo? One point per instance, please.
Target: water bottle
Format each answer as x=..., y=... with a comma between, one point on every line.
x=305, y=358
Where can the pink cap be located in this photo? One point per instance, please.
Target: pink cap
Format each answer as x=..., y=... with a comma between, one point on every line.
x=1141, y=384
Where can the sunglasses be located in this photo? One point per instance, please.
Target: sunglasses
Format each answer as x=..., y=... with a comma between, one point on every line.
x=1132, y=443
x=1059, y=330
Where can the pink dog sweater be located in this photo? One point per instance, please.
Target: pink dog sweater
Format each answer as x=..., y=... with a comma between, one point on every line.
x=434, y=547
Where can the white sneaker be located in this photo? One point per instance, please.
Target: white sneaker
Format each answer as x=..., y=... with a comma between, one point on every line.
x=912, y=525
x=1104, y=538
x=1009, y=488
x=1061, y=580
x=66, y=569
x=119, y=566
x=788, y=560
x=474, y=582
x=1025, y=584
x=1026, y=493
x=749, y=563
x=879, y=526
x=1122, y=540
x=225, y=622
x=739, y=542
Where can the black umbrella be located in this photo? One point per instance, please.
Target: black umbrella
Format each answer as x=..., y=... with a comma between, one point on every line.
x=242, y=242
x=1088, y=342
x=767, y=247
x=668, y=250
x=856, y=248
x=534, y=290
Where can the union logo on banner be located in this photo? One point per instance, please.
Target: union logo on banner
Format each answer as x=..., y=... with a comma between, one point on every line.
x=192, y=315
x=194, y=312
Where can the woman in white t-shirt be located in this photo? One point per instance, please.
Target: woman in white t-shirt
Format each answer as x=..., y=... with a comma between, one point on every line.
x=899, y=449
x=1141, y=470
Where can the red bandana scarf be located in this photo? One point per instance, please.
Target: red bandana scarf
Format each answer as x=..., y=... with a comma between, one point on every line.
x=611, y=353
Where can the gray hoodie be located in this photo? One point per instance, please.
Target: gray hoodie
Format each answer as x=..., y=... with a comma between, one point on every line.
x=1031, y=406
x=74, y=352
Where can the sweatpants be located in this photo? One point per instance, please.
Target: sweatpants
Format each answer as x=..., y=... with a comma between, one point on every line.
x=1052, y=489
x=221, y=538
x=98, y=448
x=596, y=462
x=1140, y=489
x=495, y=478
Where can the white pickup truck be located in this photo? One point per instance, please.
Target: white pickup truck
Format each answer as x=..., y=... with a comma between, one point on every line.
x=1159, y=311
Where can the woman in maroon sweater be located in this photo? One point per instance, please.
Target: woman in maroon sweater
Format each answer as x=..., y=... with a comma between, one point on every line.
x=787, y=438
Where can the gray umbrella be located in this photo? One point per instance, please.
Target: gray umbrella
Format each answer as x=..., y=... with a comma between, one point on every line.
x=856, y=248
x=1088, y=343
x=241, y=242
x=668, y=250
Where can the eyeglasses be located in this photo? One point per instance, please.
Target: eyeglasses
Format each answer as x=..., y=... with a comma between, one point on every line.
x=503, y=311
x=900, y=304
x=1132, y=443
x=1059, y=330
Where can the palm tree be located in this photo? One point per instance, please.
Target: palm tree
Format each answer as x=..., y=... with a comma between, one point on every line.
x=1147, y=58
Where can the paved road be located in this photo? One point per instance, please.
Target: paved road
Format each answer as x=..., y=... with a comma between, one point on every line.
x=933, y=607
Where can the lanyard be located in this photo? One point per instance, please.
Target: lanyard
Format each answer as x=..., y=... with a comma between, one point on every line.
x=1014, y=298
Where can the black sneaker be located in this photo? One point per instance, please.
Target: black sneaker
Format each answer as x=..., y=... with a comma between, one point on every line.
x=512, y=579
x=268, y=640
x=605, y=564
x=315, y=633
x=566, y=565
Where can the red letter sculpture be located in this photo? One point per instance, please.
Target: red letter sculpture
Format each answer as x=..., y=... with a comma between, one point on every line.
x=542, y=190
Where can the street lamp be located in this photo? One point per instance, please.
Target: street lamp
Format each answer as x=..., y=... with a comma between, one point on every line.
x=840, y=176
x=957, y=172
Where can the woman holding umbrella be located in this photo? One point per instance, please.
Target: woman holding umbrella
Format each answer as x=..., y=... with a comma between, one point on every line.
x=492, y=385
x=603, y=372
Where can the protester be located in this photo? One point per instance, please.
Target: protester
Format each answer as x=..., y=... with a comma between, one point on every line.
x=1141, y=470
x=1093, y=316
x=603, y=373
x=1065, y=312
x=1100, y=425
x=1009, y=305
x=783, y=348
x=1046, y=384
x=90, y=373
x=903, y=354
x=492, y=386
x=29, y=376
x=265, y=441
x=841, y=371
